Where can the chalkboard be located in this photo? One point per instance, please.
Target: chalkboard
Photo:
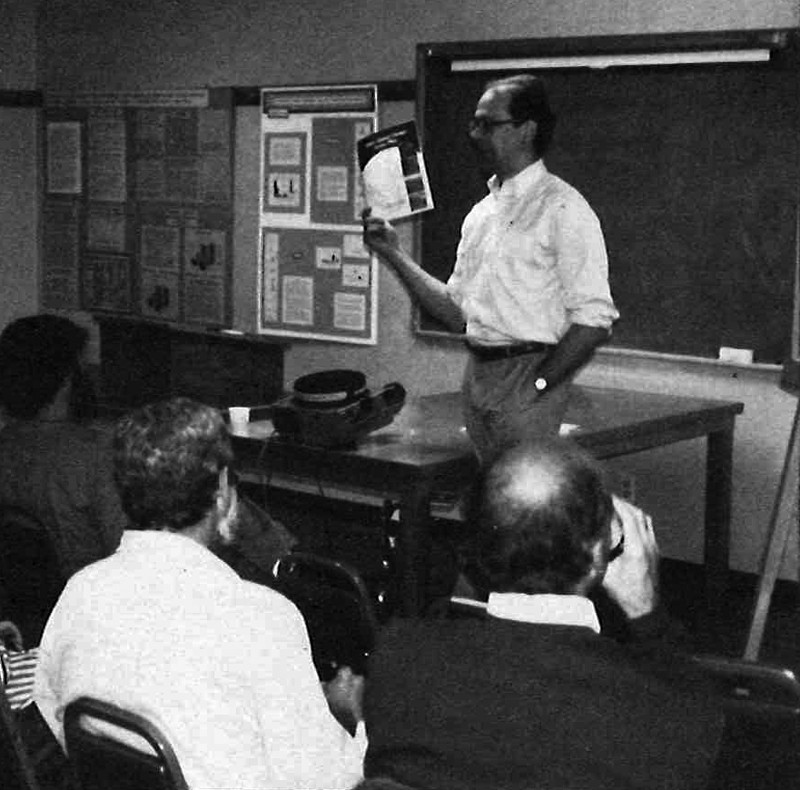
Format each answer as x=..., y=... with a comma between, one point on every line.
x=692, y=169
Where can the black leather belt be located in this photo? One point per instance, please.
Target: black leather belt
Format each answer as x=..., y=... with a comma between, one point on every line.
x=491, y=353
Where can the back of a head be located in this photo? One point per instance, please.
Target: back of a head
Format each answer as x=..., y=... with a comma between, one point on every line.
x=528, y=100
x=539, y=510
x=167, y=460
x=37, y=355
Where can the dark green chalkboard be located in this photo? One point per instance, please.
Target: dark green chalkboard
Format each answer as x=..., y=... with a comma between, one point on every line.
x=693, y=171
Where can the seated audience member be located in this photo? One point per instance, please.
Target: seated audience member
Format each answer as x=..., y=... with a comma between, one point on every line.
x=167, y=629
x=17, y=671
x=531, y=694
x=17, y=667
x=52, y=464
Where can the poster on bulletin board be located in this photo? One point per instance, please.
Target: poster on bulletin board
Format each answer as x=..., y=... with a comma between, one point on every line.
x=138, y=205
x=316, y=278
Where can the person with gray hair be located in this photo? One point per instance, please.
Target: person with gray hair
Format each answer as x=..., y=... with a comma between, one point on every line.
x=166, y=629
x=533, y=693
x=529, y=289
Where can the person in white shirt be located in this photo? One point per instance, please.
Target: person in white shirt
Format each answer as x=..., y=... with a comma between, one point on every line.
x=530, y=284
x=166, y=629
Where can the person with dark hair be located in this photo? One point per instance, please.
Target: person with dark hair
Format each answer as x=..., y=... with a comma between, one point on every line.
x=530, y=284
x=167, y=629
x=532, y=693
x=53, y=463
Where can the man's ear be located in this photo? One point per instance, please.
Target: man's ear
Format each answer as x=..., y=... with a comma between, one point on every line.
x=530, y=131
x=599, y=552
x=227, y=507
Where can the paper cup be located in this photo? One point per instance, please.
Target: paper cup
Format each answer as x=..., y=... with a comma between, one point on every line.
x=239, y=417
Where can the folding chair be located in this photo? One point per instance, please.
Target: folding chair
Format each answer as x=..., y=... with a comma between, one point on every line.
x=102, y=762
x=30, y=572
x=336, y=606
x=761, y=741
x=18, y=772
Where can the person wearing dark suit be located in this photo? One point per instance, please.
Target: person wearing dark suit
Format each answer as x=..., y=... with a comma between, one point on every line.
x=533, y=695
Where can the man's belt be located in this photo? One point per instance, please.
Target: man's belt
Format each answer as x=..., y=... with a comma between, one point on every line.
x=491, y=353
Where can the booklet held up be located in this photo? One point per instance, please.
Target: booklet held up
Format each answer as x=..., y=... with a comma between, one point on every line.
x=393, y=170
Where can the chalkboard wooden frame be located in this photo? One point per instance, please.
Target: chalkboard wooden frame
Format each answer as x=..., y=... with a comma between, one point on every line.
x=703, y=251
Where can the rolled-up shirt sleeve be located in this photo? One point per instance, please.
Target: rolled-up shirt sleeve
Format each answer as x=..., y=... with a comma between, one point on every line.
x=582, y=264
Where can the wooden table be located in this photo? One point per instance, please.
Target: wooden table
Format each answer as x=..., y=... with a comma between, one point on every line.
x=426, y=450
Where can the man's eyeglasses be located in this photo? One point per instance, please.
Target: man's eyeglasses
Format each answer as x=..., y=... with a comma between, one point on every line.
x=483, y=125
x=617, y=550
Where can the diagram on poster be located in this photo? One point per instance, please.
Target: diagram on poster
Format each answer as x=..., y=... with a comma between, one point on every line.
x=316, y=278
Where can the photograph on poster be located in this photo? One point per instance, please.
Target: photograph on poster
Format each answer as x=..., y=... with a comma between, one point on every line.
x=285, y=150
x=355, y=275
x=107, y=156
x=64, y=175
x=285, y=190
x=332, y=184
x=107, y=283
x=160, y=294
x=105, y=228
x=160, y=247
x=298, y=300
x=353, y=246
x=59, y=277
x=329, y=258
x=349, y=311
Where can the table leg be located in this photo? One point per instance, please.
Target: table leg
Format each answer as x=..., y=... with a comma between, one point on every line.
x=719, y=468
x=411, y=567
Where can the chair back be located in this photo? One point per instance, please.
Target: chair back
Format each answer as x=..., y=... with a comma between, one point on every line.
x=30, y=573
x=761, y=740
x=17, y=767
x=102, y=762
x=337, y=608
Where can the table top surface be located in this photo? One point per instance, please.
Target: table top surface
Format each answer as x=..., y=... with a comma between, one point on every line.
x=430, y=429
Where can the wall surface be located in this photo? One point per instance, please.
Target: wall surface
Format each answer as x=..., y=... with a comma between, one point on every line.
x=137, y=44
x=18, y=198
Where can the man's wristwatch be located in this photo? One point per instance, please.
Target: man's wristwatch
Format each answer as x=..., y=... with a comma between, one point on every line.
x=540, y=385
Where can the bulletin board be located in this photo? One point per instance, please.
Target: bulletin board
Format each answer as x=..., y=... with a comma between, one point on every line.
x=316, y=278
x=692, y=166
x=138, y=205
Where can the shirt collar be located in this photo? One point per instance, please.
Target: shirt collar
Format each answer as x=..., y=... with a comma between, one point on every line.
x=173, y=549
x=519, y=183
x=574, y=610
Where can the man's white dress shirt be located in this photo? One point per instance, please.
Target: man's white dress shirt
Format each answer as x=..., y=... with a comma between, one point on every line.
x=223, y=666
x=531, y=261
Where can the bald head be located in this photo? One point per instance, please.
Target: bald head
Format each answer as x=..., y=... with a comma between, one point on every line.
x=541, y=510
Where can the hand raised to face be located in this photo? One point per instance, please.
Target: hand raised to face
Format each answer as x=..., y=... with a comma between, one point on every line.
x=631, y=579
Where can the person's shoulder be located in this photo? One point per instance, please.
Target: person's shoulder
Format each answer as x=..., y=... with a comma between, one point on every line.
x=266, y=599
x=420, y=634
x=556, y=187
x=480, y=209
x=69, y=437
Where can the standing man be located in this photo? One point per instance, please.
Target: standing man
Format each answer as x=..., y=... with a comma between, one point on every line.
x=530, y=284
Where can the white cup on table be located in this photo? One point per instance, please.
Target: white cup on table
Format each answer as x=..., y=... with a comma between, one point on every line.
x=239, y=417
